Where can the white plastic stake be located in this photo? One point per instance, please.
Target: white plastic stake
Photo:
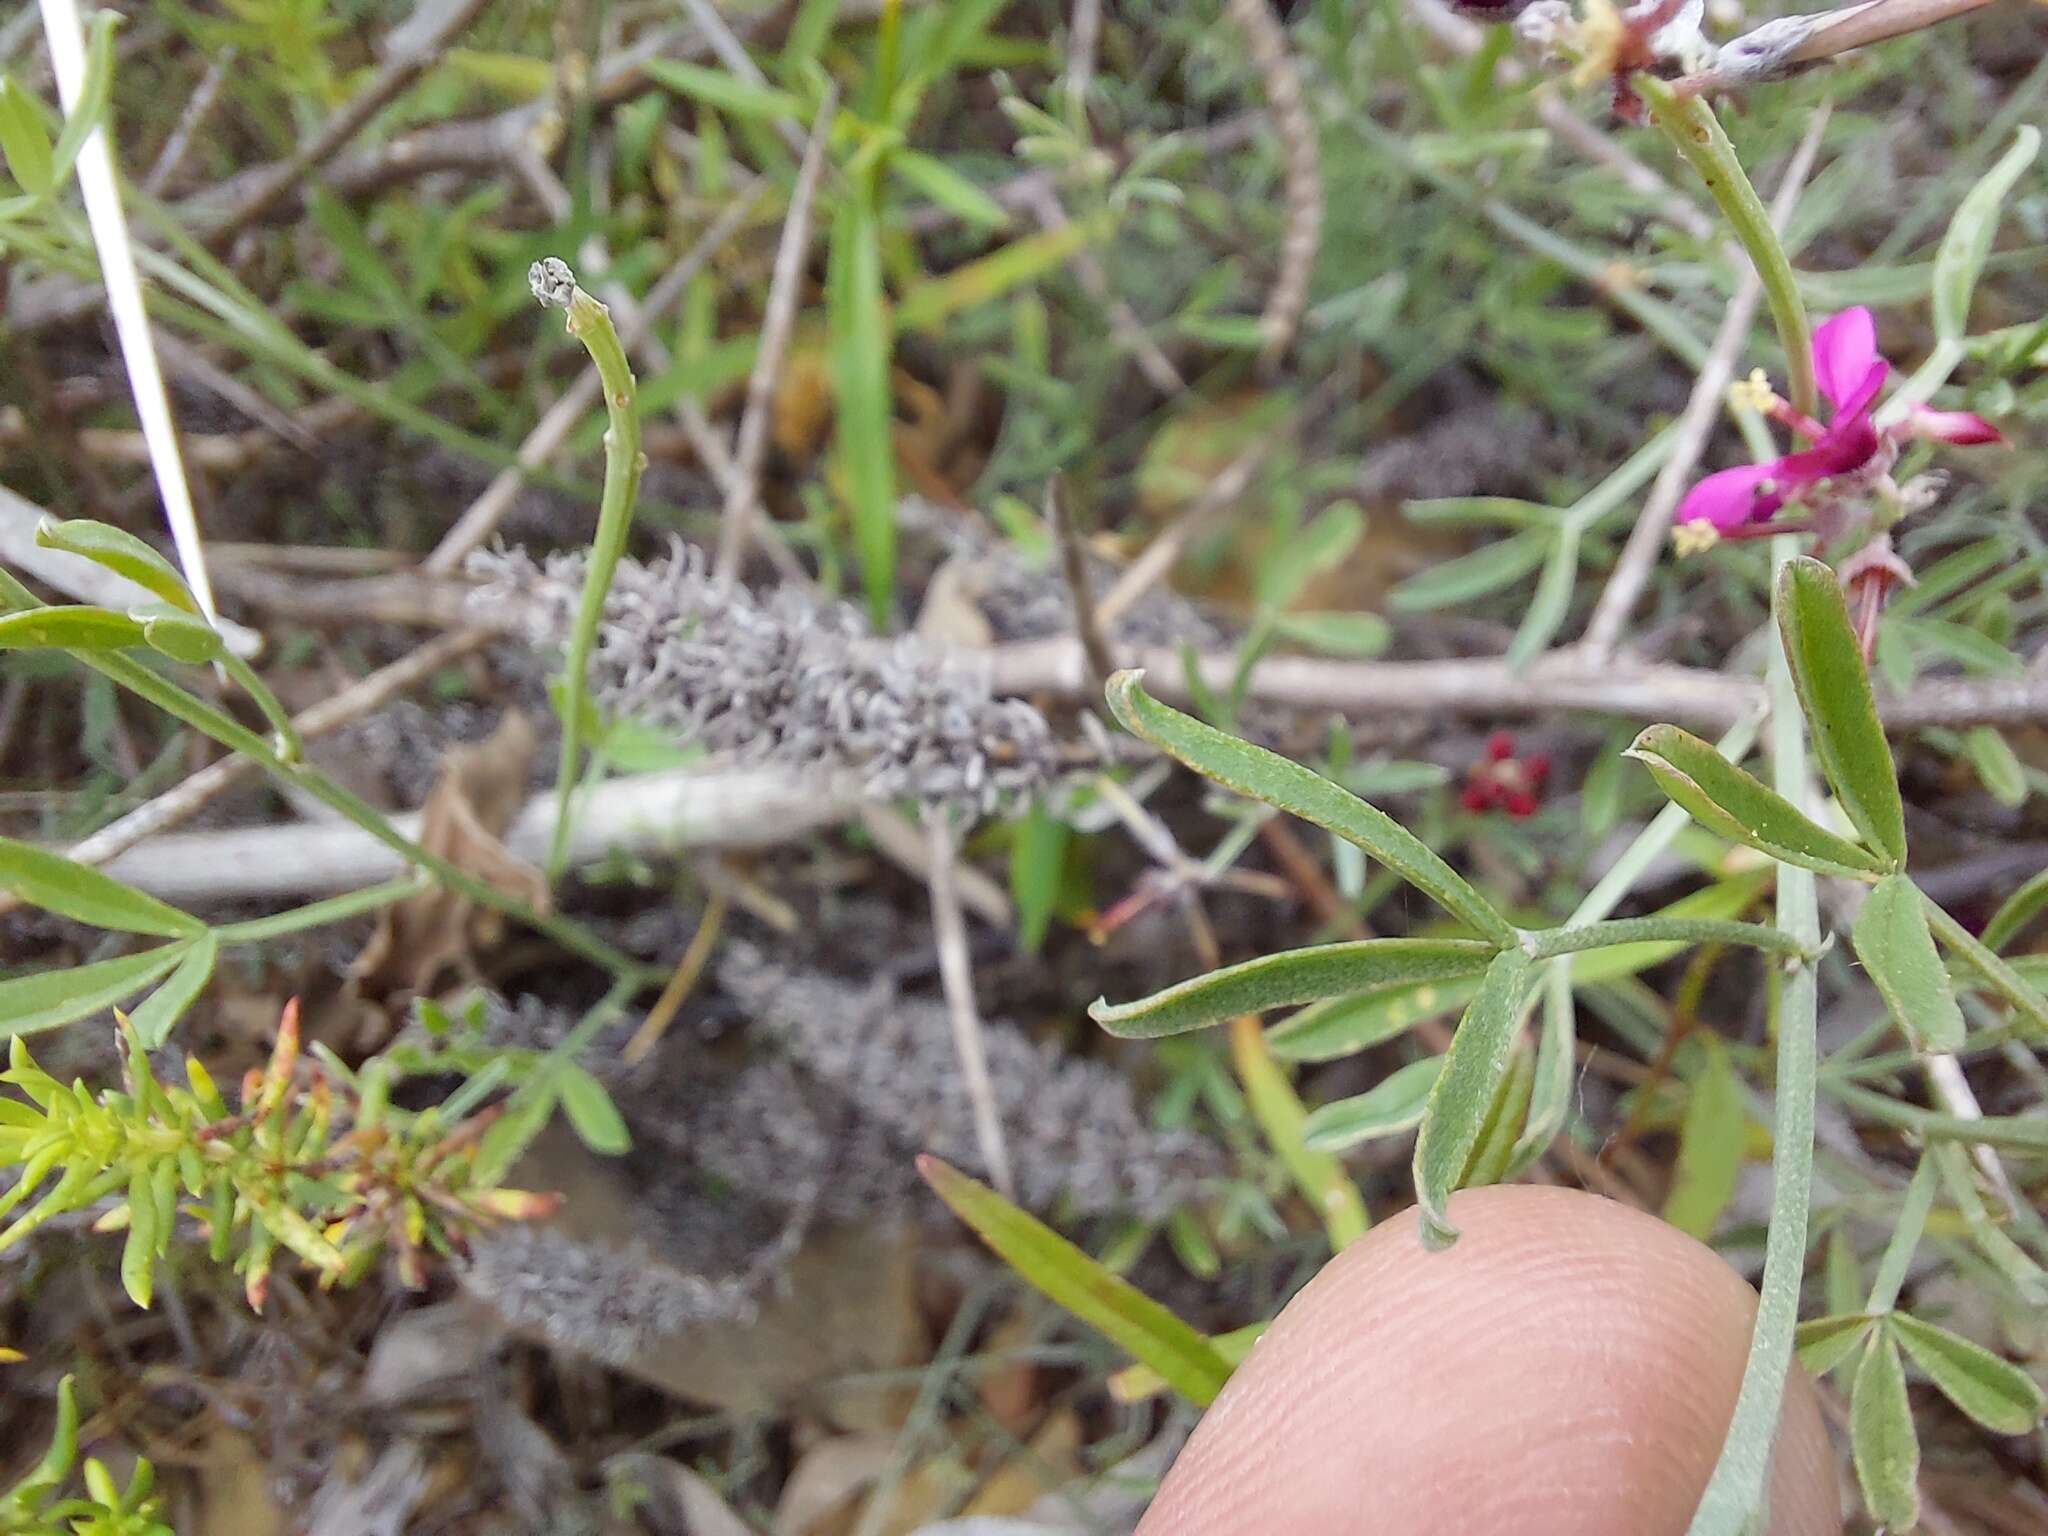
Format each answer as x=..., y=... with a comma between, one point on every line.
x=65, y=30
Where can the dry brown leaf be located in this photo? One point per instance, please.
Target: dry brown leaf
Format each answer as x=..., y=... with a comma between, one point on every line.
x=1010, y=1391
x=420, y=941
x=826, y=1481
x=1050, y=1461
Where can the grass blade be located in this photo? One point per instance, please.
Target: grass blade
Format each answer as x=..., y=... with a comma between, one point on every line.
x=1184, y=1359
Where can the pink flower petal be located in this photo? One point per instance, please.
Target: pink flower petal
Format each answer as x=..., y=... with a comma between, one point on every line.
x=1965, y=428
x=1848, y=444
x=1729, y=499
x=1845, y=357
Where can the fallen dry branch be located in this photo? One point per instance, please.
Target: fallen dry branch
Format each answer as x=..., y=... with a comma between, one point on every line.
x=650, y=813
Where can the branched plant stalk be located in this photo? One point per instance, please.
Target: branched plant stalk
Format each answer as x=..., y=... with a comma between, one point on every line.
x=591, y=323
x=1736, y=1486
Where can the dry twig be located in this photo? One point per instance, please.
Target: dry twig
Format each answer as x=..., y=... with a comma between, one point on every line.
x=1266, y=41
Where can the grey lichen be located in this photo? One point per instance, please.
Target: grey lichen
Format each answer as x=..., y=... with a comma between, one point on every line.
x=782, y=679
x=1074, y=1130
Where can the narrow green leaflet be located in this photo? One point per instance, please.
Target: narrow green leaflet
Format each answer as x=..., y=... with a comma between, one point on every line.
x=1464, y=1095
x=1503, y=1128
x=1038, y=849
x=57, y=884
x=24, y=139
x=945, y=186
x=50, y=998
x=120, y=552
x=1550, y=1092
x=1998, y=767
x=1389, y=1108
x=1725, y=799
x=1184, y=1359
x=2006, y=978
x=1825, y=1342
x=1709, y=1144
x=1994, y=1392
x=168, y=1003
x=1486, y=569
x=1337, y=634
x=726, y=91
x=1834, y=691
x=1882, y=1440
x=1343, y=1026
x=1279, y=782
x=858, y=322
x=592, y=1114
x=1842, y=1274
x=2018, y=910
x=1897, y=950
x=1968, y=240
x=94, y=92
x=1293, y=976
x=69, y=627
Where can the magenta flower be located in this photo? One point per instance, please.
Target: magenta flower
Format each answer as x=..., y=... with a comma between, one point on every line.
x=1849, y=457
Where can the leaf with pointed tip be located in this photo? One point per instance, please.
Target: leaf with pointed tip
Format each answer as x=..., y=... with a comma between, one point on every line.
x=70, y=889
x=1292, y=976
x=1967, y=243
x=1825, y=1342
x=1834, y=691
x=1464, y=1095
x=592, y=1114
x=47, y=999
x=2018, y=910
x=1882, y=1440
x=1741, y=807
x=1994, y=1392
x=1277, y=781
x=25, y=139
x=1897, y=950
x=120, y=552
x=1112, y=1306
x=167, y=1004
x=1390, y=1107
x=1709, y=1145
x=177, y=634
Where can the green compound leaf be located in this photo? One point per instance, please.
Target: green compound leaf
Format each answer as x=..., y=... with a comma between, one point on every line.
x=1464, y=1095
x=1268, y=777
x=1184, y=1359
x=1725, y=799
x=1834, y=691
x=1896, y=947
x=1293, y=976
x=1994, y=1392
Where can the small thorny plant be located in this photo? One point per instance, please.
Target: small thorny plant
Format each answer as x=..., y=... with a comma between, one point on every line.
x=316, y=1159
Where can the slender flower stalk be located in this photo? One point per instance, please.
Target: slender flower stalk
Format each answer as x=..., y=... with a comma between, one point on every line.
x=591, y=323
x=1697, y=135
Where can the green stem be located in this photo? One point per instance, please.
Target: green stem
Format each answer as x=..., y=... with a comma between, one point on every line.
x=2027, y=1002
x=1549, y=942
x=1736, y=1488
x=1696, y=133
x=2008, y=1133
x=591, y=323
x=289, y=748
x=1898, y=1253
